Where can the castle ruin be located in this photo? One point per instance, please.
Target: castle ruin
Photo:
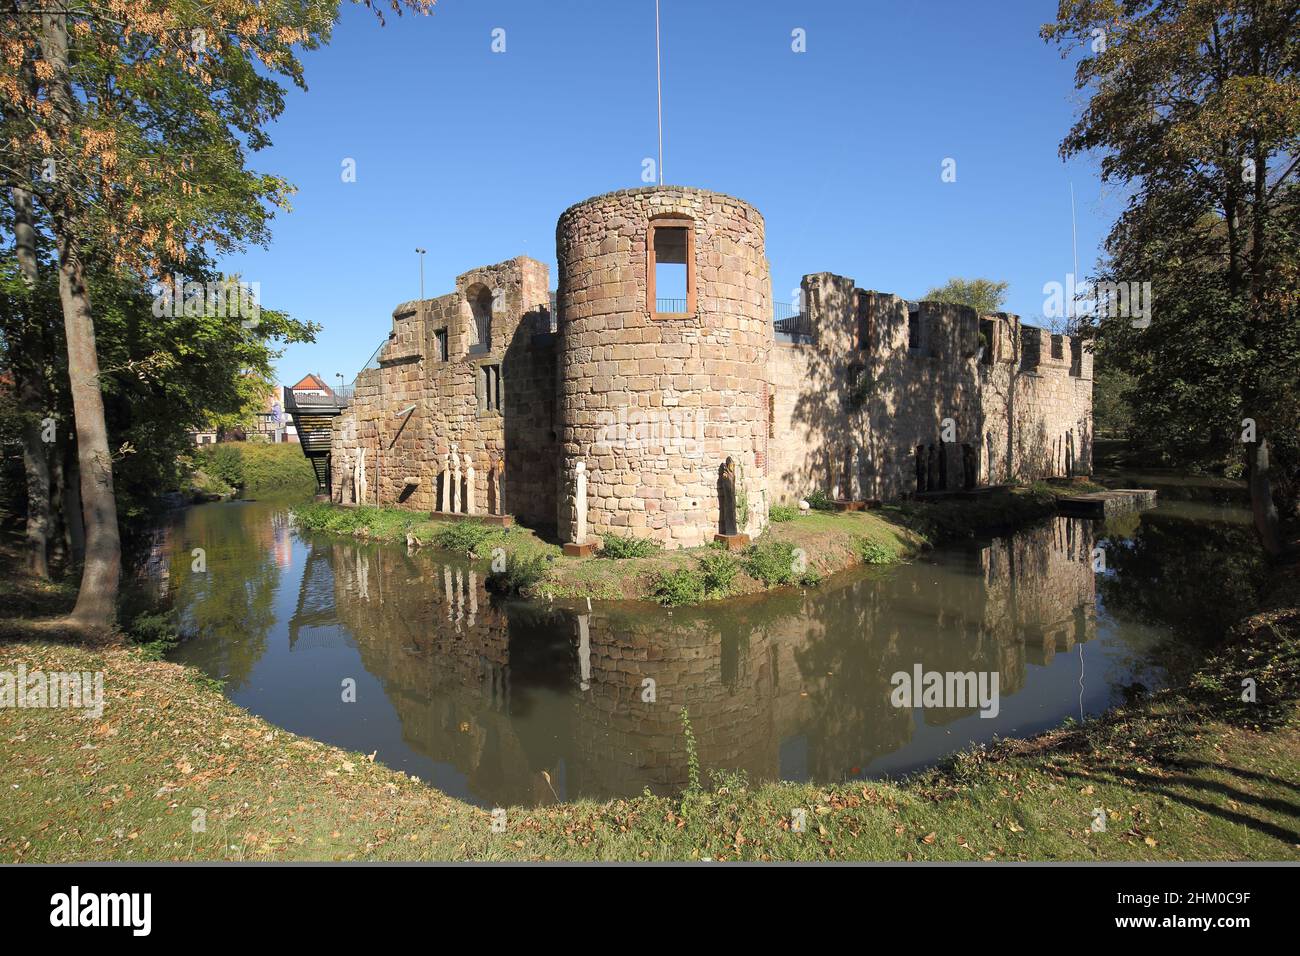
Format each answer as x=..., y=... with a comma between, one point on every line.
x=483, y=401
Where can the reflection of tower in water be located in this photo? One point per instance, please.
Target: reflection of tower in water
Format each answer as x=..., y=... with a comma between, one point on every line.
x=505, y=691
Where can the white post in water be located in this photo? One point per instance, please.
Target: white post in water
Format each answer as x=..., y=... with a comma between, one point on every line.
x=446, y=591
x=584, y=652
x=469, y=484
x=455, y=479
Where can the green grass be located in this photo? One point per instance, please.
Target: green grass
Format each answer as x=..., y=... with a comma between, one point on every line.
x=368, y=521
x=780, y=513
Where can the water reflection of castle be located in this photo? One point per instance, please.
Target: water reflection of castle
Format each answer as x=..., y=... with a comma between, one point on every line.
x=789, y=685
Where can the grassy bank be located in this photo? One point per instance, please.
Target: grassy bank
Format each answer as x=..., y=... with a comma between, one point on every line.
x=801, y=549
x=173, y=770
x=253, y=466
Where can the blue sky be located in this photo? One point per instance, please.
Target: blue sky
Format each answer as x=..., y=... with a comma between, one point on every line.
x=473, y=155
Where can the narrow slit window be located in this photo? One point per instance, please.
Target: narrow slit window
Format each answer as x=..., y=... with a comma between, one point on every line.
x=490, y=388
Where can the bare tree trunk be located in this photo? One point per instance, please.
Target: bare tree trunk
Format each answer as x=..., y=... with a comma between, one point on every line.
x=74, y=525
x=101, y=571
x=97, y=597
x=30, y=382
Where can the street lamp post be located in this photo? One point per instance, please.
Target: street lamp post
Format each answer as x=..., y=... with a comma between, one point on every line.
x=421, y=253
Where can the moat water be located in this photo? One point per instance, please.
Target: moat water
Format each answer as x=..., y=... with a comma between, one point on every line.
x=520, y=703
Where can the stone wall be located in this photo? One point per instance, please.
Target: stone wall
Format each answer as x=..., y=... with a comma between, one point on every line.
x=510, y=444
x=654, y=403
x=863, y=409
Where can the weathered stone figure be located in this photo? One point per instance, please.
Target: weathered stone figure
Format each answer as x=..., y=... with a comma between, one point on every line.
x=360, y=484
x=580, y=503
x=501, y=486
x=727, y=498
x=455, y=479
x=444, y=491
x=469, y=484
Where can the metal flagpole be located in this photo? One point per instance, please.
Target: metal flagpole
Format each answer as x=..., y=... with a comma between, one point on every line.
x=659, y=82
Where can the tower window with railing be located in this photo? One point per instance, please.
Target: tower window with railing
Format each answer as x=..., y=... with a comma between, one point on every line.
x=670, y=267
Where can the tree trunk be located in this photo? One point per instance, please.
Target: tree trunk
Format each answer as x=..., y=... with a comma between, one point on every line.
x=97, y=597
x=74, y=524
x=29, y=372
x=1261, y=496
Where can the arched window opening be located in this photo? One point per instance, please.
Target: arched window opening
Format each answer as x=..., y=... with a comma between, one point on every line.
x=480, y=327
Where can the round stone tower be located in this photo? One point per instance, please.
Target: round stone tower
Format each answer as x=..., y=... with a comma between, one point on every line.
x=660, y=384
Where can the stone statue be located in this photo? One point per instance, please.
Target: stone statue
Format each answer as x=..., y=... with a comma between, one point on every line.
x=580, y=503
x=727, y=497
x=455, y=479
x=359, y=486
x=501, y=485
x=445, y=490
x=469, y=484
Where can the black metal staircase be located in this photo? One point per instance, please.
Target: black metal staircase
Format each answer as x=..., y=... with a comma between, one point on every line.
x=313, y=416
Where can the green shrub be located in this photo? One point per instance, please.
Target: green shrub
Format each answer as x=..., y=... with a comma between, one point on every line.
x=155, y=632
x=223, y=462
x=276, y=465
x=257, y=466
x=678, y=586
x=718, y=570
x=875, y=552
x=773, y=563
x=617, y=546
x=783, y=513
x=464, y=537
x=819, y=501
x=201, y=485
x=522, y=573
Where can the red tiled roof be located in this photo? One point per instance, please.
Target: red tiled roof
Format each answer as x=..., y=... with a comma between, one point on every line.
x=311, y=381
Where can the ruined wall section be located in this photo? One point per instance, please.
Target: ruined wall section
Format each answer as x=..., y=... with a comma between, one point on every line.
x=654, y=403
x=435, y=360
x=1037, y=401
x=861, y=410
x=852, y=407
